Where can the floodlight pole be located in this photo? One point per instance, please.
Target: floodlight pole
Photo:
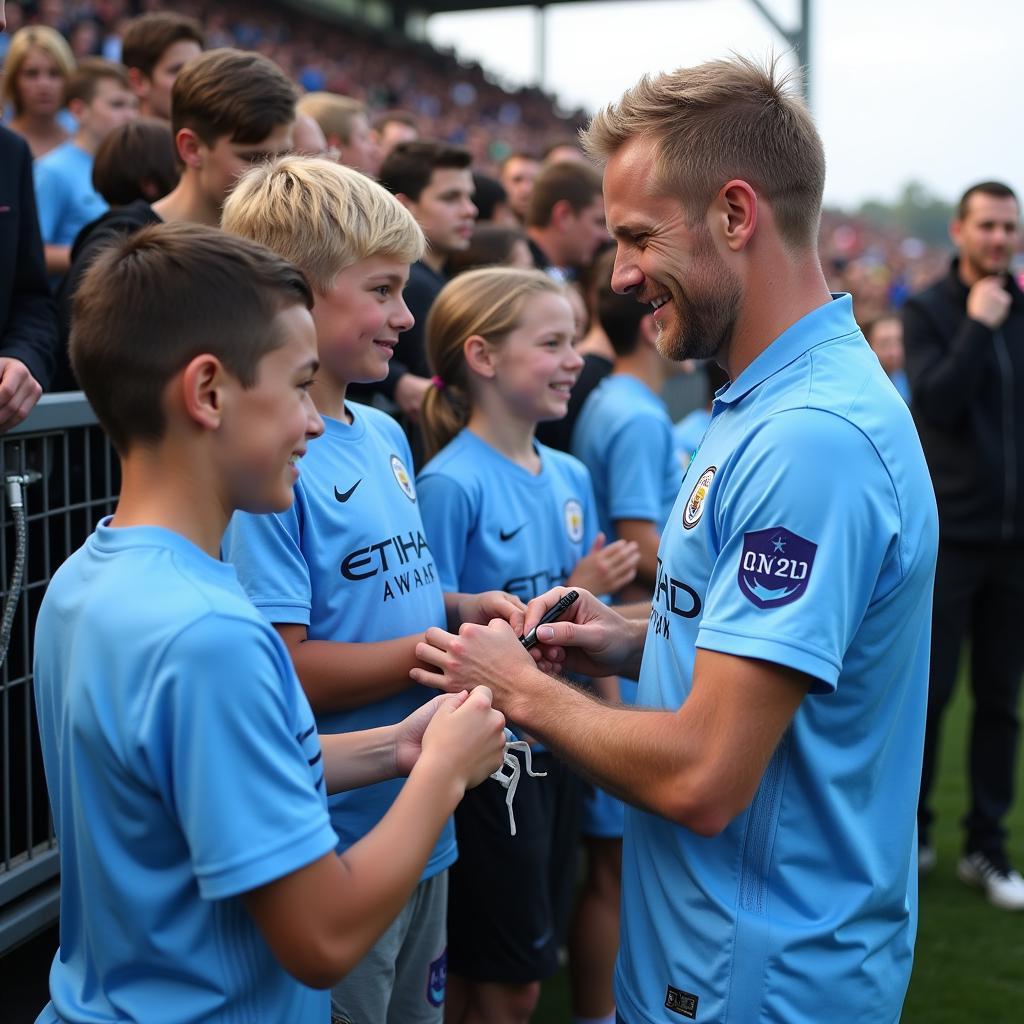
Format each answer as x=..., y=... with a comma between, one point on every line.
x=540, y=44
x=799, y=38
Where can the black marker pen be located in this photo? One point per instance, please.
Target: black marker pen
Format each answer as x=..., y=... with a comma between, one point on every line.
x=530, y=640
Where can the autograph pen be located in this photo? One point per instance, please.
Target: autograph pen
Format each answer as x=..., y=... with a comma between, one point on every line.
x=530, y=640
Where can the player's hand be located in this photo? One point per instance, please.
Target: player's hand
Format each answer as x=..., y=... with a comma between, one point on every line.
x=606, y=569
x=409, y=392
x=409, y=732
x=491, y=604
x=467, y=735
x=988, y=302
x=19, y=392
x=488, y=656
x=591, y=638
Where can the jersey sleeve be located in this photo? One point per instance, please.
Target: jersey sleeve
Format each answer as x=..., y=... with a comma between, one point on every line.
x=637, y=459
x=233, y=750
x=265, y=551
x=806, y=528
x=448, y=518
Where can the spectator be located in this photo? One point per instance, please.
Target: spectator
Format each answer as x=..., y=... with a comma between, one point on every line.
x=517, y=174
x=154, y=49
x=434, y=182
x=346, y=128
x=393, y=127
x=38, y=65
x=492, y=245
x=964, y=339
x=136, y=161
x=308, y=139
x=565, y=223
x=491, y=200
x=100, y=99
x=28, y=325
x=885, y=336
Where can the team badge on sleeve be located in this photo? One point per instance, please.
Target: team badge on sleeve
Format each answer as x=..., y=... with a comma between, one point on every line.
x=403, y=478
x=695, y=503
x=775, y=566
x=574, y=520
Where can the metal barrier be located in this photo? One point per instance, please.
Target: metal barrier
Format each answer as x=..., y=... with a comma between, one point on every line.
x=77, y=482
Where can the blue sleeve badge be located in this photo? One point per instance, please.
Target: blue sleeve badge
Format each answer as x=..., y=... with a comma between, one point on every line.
x=775, y=566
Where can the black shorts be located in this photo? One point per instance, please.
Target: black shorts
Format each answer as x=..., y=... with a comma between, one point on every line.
x=510, y=897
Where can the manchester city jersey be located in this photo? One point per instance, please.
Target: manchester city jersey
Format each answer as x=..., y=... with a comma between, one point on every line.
x=624, y=437
x=493, y=525
x=350, y=560
x=805, y=535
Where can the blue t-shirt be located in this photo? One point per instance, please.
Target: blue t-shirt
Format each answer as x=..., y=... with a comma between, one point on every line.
x=64, y=194
x=624, y=437
x=493, y=525
x=184, y=769
x=805, y=535
x=349, y=560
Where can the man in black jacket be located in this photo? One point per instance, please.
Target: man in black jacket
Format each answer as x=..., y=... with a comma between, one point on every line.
x=964, y=340
x=28, y=324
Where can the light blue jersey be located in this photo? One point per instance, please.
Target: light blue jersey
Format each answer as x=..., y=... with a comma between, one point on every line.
x=349, y=560
x=624, y=437
x=687, y=434
x=804, y=534
x=65, y=197
x=493, y=525
x=184, y=769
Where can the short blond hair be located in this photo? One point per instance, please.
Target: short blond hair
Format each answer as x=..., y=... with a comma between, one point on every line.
x=335, y=114
x=721, y=120
x=33, y=37
x=321, y=216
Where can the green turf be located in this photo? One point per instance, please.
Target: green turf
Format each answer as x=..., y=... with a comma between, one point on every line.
x=969, y=965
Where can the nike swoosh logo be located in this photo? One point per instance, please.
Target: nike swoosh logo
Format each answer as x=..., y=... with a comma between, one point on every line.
x=508, y=536
x=345, y=495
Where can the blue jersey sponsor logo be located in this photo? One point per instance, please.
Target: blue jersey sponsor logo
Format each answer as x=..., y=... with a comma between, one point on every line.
x=775, y=566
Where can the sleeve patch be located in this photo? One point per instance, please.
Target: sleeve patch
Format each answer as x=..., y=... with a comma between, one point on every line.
x=775, y=567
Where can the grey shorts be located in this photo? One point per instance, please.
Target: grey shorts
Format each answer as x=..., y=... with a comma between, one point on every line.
x=402, y=978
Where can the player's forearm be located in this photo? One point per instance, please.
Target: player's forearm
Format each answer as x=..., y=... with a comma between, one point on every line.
x=339, y=676
x=641, y=756
x=356, y=759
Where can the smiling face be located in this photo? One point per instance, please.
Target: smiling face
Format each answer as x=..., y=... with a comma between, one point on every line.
x=537, y=364
x=266, y=427
x=358, y=321
x=666, y=261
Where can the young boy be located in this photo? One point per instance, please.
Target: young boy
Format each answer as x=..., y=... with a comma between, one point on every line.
x=345, y=574
x=229, y=108
x=198, y=875
x=98, y=96
x=154, y=49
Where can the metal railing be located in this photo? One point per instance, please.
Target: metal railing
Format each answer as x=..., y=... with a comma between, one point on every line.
x=70, y=478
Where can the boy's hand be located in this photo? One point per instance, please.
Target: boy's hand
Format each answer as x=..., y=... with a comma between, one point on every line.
x=19, y=392
x=491, y=604
x=467, y=735
x=409, y=732
x=488, y=657
x=607, y=568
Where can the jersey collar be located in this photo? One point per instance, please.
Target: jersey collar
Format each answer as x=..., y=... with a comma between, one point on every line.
x=826, y=323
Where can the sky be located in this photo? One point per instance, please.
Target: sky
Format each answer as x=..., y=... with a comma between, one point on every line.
x=924, y=90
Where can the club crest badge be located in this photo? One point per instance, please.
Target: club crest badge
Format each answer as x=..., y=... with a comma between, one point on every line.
x=694, y=508
x=574, y=520
x=402, y=477
x=437, y=980
x=775, y=566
